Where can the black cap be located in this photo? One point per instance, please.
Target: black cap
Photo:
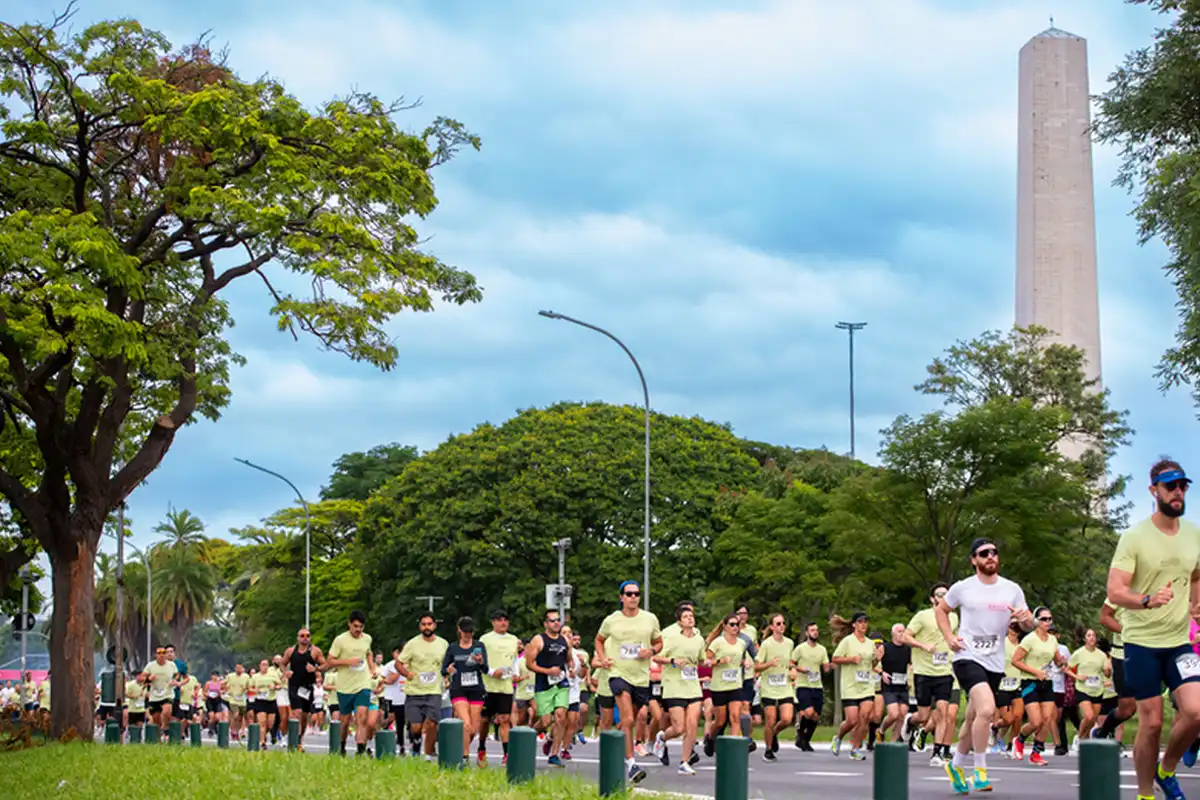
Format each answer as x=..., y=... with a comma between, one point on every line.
x=499, y=613
x=978, y=543
x=857, y=615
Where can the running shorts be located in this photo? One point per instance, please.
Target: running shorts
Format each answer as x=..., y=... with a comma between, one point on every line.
x=348, y=702
x=301, y=697
x=572, y=708
x=1060, y=699
x=721, y=699
x=1037, y=691
x=679, y=702
x=552, y=699
x=933, y=689
x=605, y=701
x=857, y=702
x=747, y=690
x=655, y=692
x=640, y=695
x=264, y=706
x=970, y=674
x=137, y=717
x=768, y=702
x=153, y=706
x=896, y=697
x=1108, y=705
x=810, y=698
x=1149, y=669
x=1004, y=699
x=474, y=697
x=215, y=705
x=422, y=708
x=497, y=705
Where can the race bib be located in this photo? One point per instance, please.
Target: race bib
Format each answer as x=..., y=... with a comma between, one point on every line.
x=1009, y=684
x=656, y=690
x=214, y=695
x=862, y=675
x=1189, y=665
x=138, y=705
x=468, y=679
x=1093, y=682
x=427, y=677
x=688, y=673
x=779, y=679
x=505, y=672
x=185, y=708
x=731, y=675
x=630, y=651
x=940, y=659
x=814, y=677
x=984, y=644
x=899, y=679
x=303, y=693
x=159, y=694
x=240, y=699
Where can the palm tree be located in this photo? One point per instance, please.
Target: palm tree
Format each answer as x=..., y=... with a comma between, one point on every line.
x=183, y=529
x=188, y=586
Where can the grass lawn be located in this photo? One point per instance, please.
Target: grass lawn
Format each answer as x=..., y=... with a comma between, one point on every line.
x=180, y=773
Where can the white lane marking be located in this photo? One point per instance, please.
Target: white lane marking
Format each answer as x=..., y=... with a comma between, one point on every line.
x=833, y=774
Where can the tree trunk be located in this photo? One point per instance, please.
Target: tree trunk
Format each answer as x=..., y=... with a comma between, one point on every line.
x=72, y=637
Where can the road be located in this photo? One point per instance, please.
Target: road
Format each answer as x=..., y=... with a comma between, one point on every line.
x=822, y=775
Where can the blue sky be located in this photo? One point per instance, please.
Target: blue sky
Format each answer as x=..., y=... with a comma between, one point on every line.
x=717, y=183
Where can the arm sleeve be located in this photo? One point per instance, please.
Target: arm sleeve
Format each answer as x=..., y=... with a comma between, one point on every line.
x=446, y=660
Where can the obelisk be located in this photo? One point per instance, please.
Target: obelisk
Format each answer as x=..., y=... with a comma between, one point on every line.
x=1056, y=219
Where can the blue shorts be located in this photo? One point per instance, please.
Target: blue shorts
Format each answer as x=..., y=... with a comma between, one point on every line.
x=1149, y=669
x=348, y=702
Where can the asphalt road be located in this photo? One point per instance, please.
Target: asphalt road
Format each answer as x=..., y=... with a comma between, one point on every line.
x=822, y=775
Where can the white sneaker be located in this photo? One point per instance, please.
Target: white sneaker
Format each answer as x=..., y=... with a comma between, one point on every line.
x=904, y=727
x=936, y=761
x=685, y=769
x=659, y=745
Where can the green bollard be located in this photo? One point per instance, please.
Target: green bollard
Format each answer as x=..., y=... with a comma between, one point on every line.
x=891, y=771
x=223, y=735
x=194, y=734
x=450, y=744
x=135, y=734
x=612, y=763
x=385, y=744
x=733, y=767
x=112, y=732
x=522, y=754
x=335, y=737
x=252, y=736
x=1099, y=770
x=293, y=735
x=153, y=734
x=175, y=732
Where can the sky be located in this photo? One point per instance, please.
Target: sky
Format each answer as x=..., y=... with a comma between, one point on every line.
x=717, y=183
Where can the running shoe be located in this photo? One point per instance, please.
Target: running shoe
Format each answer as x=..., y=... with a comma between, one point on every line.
x=957, y=779
x=980, y=783
x=1037, y=760
x=640, y=751
x=504, y=760
x=660, y=746
x=769, y=756
x=921, y=740
x=686, y=769
x=775, y=745
x=1169, y=784
x=565, y=755
x=636, y=774
x=581, y=738
x=1018, y=749
x=709, y=747
x=936, y=760
x=857, y=755
x=835, y=746
x=481, y=758
x=694, y=760
x=906, y=730
x=547, y=746
x=1189, y=757
x=555, y=761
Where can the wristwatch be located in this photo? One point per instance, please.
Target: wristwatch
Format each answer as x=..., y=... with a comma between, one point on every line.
x=1145, y=601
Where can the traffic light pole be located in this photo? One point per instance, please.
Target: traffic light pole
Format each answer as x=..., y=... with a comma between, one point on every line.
x=25, y=575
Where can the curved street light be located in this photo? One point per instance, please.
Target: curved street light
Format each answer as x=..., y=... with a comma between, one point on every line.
x=646, y=396
x=307, y=538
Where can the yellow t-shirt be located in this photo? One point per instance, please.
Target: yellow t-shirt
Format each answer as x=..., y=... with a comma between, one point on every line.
x=1154, y=558
x=44, y=695
x=161, y=676
x=923, y=627
x=1011, y=681
x=774, y=683
x=810, y=659
x=1038, y=654
x=623, y=637
x=187, y=692
x=682, y=682
x=1089, y=665
x=501, y=649
x=856, y=678
x=263, y=685
x=525, y=688
x=330, y=682
x=236, y=685
x=353, y=679
x=727, y=676
x=135, y=697
x=424, y=662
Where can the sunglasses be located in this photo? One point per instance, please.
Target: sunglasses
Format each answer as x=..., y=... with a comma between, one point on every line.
x=632, y=594
x=1171, y=486
x=733, y=624
x=554, y=621
x=1045, y=619
x=939, y=594
x=987, y=552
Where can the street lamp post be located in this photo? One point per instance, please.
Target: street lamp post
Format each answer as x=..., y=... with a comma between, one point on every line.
x=307, y=537
x=149, y=598
x=646, y=396
x=850, y=328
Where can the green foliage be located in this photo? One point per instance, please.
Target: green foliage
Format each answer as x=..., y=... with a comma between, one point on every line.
x=474, y=520
x=1151, y=112
x=357, y=475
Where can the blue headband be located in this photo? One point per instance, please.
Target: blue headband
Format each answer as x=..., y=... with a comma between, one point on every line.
x=1172, y=475
x=621, y=588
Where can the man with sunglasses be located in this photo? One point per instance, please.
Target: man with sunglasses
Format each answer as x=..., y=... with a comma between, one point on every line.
x=302, y=660
x=627, y=640
x=932, y=679
x=1155, y=579
x=987, y=605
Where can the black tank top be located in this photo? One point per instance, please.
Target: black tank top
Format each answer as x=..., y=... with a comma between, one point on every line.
x=552, y=654
x=298, y=664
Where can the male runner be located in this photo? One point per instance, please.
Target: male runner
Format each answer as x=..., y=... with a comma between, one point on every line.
x=932, y=678
x=1155, y=580
x=420, y=662
x=160, y=677
x=237, y=685
x=988, y=604
x=302, y=660
x=502, y=648
x=548, y=655
x=633, y=637
x=1110, y=618
x=350, y=653
x=809, y=659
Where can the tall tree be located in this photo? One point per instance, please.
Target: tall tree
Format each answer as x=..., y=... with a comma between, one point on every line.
x=356, y=475
x=182, y=529
x=137, y=182
x=1152, y=112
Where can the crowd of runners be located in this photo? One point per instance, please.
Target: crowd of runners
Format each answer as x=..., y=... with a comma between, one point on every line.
x=977, y=641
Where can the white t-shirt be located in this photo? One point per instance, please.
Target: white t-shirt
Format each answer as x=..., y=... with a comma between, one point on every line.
x=393, y=692
x=1057, y=677
x=983, y=618
x=318, y=696
x=575, y=686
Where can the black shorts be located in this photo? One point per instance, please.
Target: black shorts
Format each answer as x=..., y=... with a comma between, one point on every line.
x=605, y=701
x=655, y=691
x=1004, y=699
x=896, y=697
x=1108, y=705
x=768, y=702
x=1060, y=699
x=156, y=706
x=639, y=695
x=585, y=698
x=137, y=717
x=810, y=698
x=858, y=703
x=970, y=675
x=572, y=708
x=1037, y=691
x=215, y=705
x=473, y=696
x=679, y=702
x=264, y=706
x=497, y=705
x=748, y=690
x=722, y=699
x=303, y=704
x=933, y=689
x=1118, y=677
